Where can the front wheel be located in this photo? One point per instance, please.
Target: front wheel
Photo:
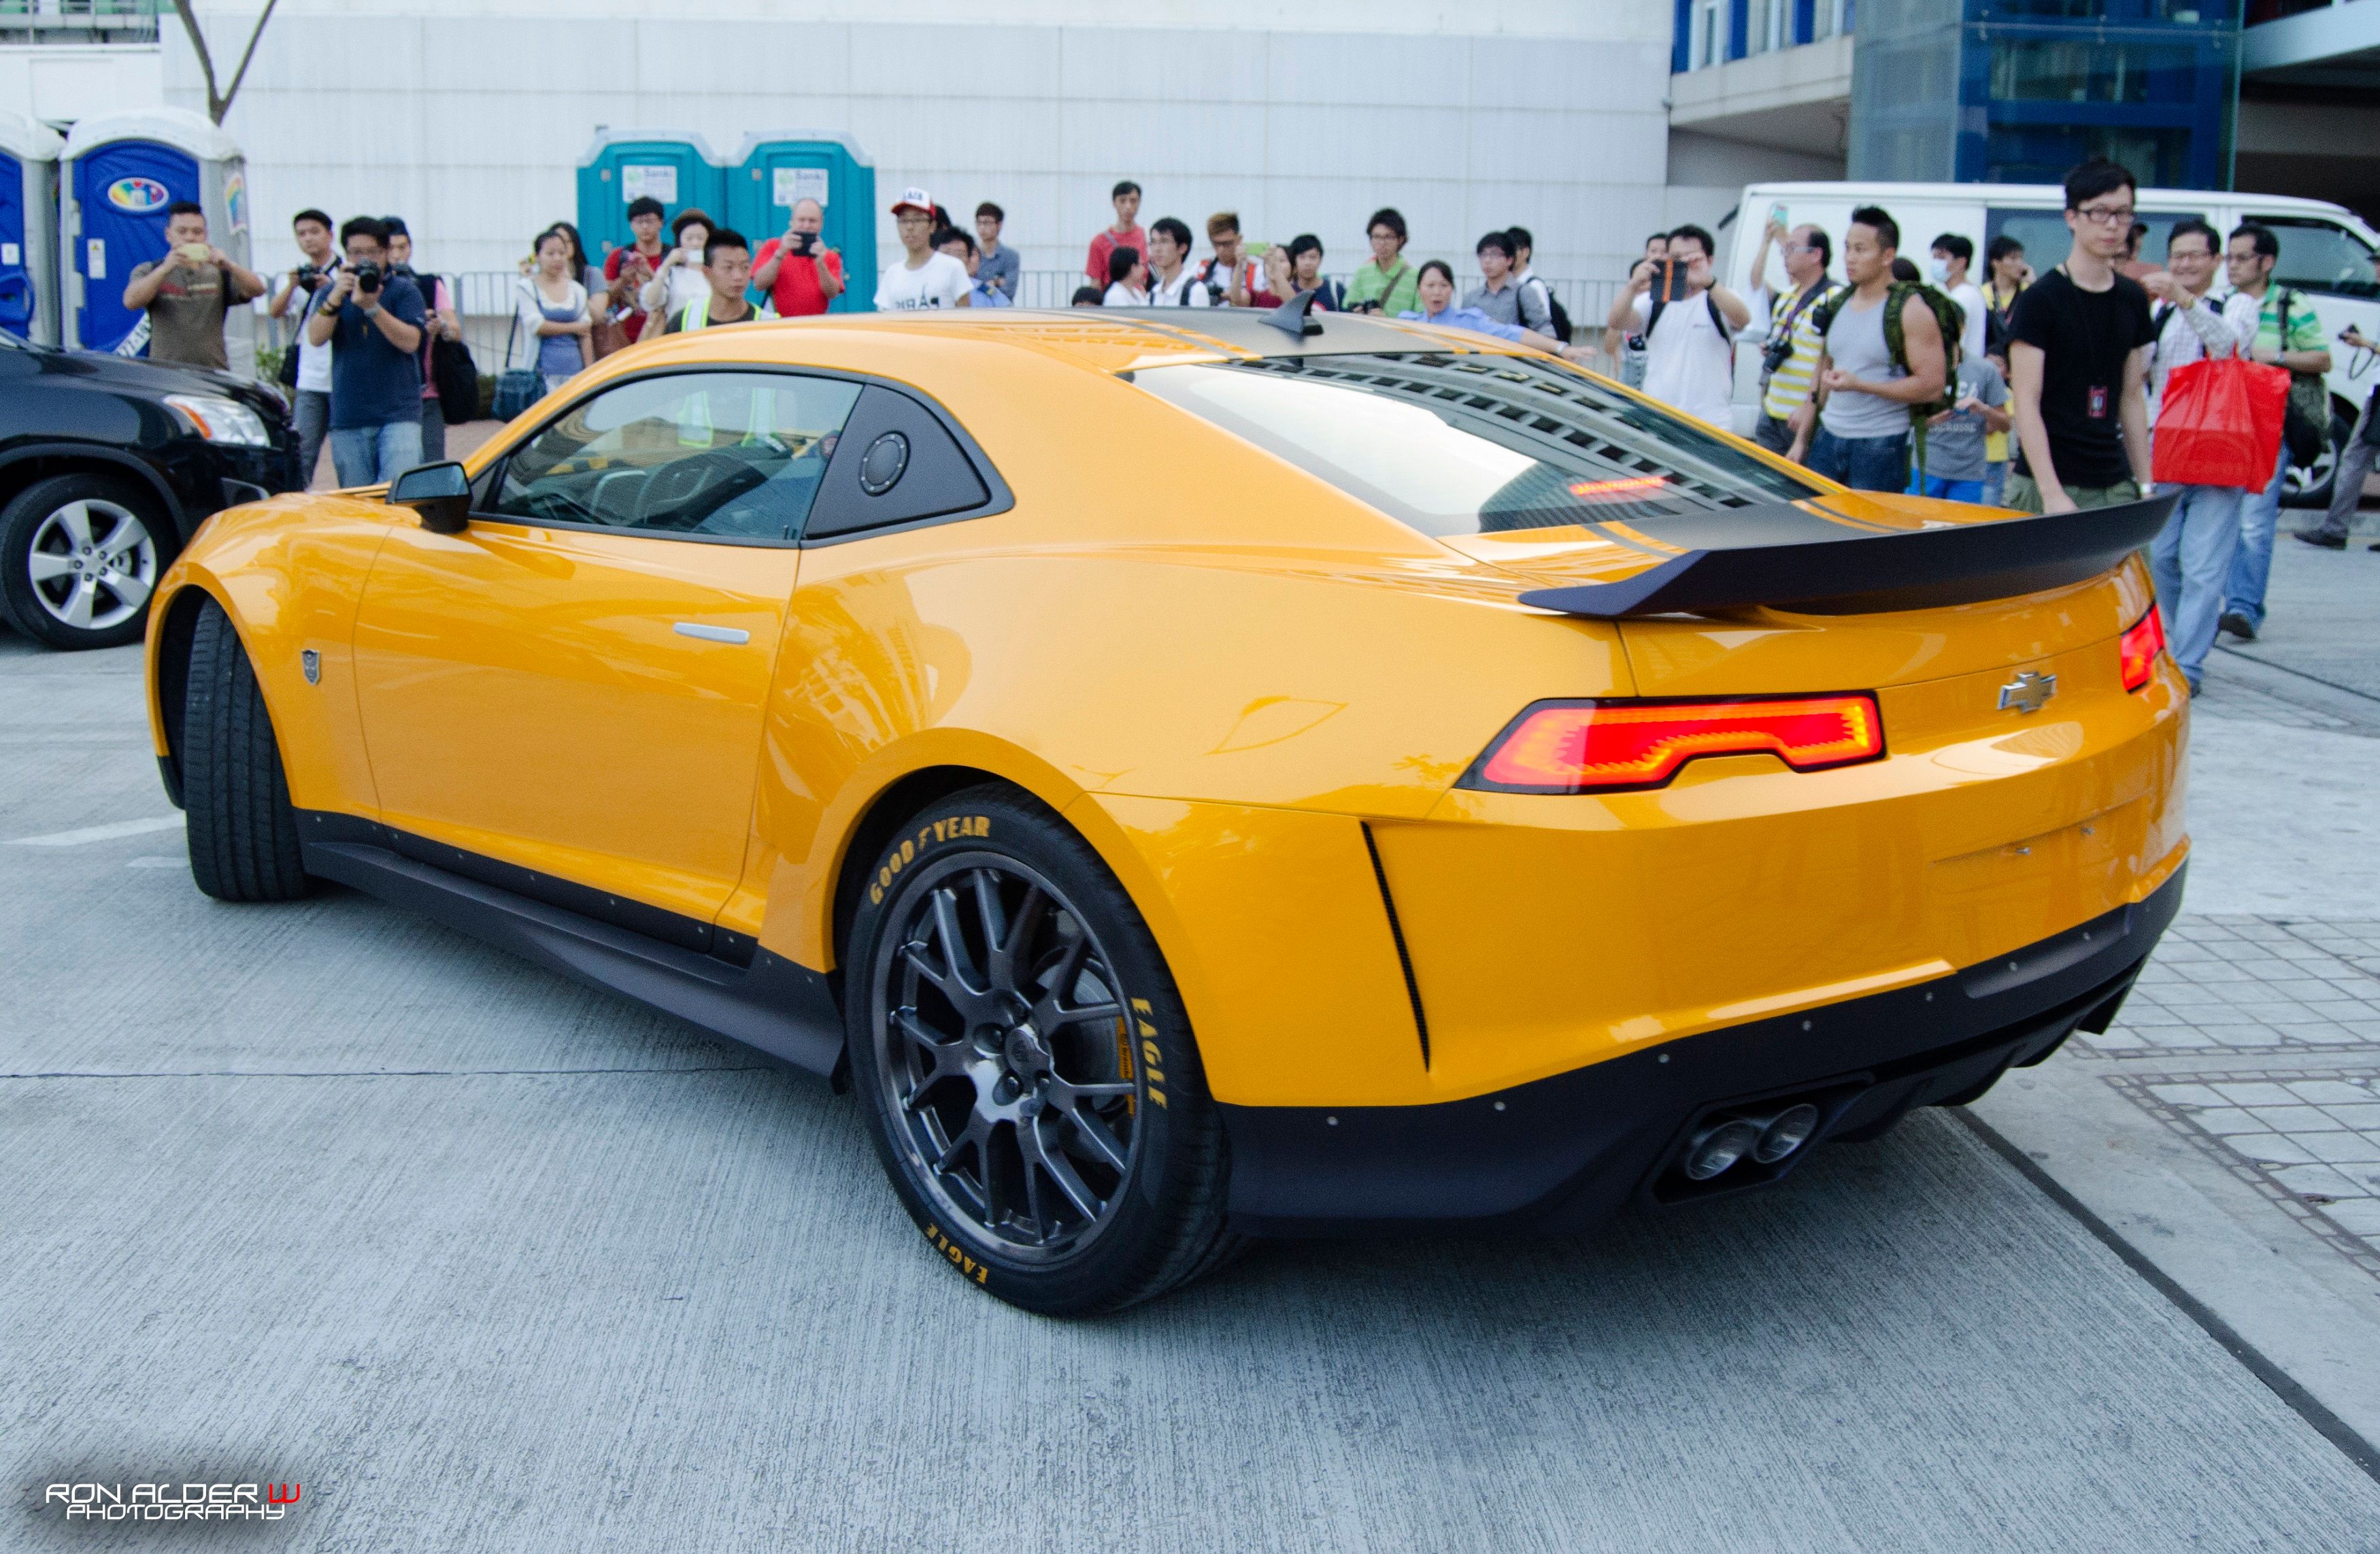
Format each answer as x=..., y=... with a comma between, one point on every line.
x=1026, y=1066
x=78, y=559
x=243, y=830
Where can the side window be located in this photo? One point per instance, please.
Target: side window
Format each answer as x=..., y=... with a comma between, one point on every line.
x=895, y=463
x=730, y=455
x=2320, y=256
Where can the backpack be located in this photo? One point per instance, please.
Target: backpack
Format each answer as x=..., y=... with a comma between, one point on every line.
x=2305, y=421
x=1555, y=314
x=1948, y=317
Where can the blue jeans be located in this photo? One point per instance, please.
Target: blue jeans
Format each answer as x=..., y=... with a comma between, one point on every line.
x=1948, y=491
x=2191, y=560
x=2252, y=567
x=369, y=456
x=1994, y=483
x=1862, y=463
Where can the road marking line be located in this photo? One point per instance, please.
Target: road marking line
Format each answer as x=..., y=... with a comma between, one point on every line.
x=108, y=832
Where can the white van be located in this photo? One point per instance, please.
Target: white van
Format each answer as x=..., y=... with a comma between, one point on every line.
x=2325, y=253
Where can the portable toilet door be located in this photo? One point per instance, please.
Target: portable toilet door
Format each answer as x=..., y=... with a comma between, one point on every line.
x=119, y=173
x=28, y=228
x=674, y=166
x=774, y=170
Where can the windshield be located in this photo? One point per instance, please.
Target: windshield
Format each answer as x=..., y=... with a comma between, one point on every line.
x=1470, y=444
x=2321, y=256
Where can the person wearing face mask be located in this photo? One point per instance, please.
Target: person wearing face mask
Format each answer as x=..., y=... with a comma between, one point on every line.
x=1947, y=271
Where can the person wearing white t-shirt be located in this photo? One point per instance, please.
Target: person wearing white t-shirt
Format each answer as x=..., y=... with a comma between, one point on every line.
x=1952, y=255
x=305, y=287
x=924, y=278
x=1690, y=349
x=1171, y=282
x=1127, y=280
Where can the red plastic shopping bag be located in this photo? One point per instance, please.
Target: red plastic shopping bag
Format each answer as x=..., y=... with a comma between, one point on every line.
x=2219, y=424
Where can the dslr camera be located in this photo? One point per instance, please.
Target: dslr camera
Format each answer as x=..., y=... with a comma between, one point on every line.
x=369, y=277
x=1779, y=352
x=310, y=275
x=804, y=244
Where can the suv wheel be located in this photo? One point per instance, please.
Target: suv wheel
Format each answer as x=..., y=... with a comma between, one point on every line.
x=1025, y=1065
x=242, y=828
x=78, y=559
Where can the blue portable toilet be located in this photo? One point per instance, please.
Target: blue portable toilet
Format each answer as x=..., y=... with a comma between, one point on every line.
x=674, y=166
x=116, y=176
x=28, y=228
x=773, y=170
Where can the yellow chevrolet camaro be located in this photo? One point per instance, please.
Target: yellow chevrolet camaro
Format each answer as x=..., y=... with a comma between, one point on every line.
x=1198, y=776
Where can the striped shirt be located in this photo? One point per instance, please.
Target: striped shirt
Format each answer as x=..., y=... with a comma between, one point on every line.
x=1790, y=385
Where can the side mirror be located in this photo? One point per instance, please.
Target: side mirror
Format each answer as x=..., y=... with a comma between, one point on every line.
x=440, y=492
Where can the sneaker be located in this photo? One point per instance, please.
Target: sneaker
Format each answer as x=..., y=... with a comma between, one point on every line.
x=2237, y=625
x=2327, y=542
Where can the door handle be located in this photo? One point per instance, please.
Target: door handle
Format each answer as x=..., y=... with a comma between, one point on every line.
x=697, y=631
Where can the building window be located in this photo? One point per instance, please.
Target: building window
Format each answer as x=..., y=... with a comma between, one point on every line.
x=1709, y=43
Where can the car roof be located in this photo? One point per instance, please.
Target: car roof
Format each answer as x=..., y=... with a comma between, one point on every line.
x=1128, y=339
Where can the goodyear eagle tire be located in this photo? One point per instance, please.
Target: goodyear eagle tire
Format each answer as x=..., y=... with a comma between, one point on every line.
x=1026, y=1065
x=243, y=832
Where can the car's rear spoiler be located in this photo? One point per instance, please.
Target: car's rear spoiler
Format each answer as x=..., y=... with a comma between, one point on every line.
x=1795, y=557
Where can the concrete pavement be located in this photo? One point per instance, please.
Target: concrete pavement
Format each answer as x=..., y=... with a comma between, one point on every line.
x=484, y=1260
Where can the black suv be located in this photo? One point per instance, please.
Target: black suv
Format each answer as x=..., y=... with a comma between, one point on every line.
x=107, y=466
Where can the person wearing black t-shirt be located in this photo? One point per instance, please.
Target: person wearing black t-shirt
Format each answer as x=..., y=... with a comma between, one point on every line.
x=2079, y=339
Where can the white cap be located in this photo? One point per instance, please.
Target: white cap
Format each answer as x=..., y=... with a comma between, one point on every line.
x=914, y=198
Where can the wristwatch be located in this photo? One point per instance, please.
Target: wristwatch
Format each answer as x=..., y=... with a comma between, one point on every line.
x=373, y=311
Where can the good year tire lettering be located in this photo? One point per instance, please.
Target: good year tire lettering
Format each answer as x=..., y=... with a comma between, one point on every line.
x=976, y=826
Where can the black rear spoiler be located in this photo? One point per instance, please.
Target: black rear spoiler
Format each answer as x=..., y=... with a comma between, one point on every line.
x=1795, y=558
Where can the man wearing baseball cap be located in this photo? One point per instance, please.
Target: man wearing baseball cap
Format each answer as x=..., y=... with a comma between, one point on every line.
x=924, y=278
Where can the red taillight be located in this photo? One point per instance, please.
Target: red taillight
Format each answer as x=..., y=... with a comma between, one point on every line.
x=2137, y=649
x=1579, y=746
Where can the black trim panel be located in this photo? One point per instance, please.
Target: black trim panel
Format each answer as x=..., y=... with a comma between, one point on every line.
x=741, y=992
x=1565, y=1152
x=1793, y=557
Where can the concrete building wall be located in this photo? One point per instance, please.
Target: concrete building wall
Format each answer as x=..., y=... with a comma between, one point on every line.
x=469, y=119
x=69, y=80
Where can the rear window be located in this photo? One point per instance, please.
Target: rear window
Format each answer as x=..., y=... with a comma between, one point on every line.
x=1471, y=444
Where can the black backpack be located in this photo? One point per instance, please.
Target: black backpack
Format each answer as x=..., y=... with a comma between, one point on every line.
x=1555, y=313
x=452, y=373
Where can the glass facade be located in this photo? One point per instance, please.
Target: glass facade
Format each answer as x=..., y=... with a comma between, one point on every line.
x=2019, y=91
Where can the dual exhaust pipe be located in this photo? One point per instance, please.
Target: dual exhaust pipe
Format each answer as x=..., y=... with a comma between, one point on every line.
x=1766, y=1139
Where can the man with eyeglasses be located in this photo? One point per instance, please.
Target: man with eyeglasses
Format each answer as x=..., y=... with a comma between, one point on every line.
x=2283, y=331
x=1793, y=343
x=2079, y=346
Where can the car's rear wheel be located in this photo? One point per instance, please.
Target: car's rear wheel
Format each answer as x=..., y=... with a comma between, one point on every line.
x=80, y=556
x=1026, y=1066
x=243, y=831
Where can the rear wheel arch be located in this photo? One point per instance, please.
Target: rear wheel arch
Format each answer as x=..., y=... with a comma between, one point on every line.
x=878, y=824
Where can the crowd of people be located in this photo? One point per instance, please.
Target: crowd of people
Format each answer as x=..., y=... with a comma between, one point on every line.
x=2033, y=391
x=2030, y=390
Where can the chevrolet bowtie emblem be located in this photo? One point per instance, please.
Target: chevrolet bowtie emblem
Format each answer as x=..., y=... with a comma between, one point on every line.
x=2028, y=692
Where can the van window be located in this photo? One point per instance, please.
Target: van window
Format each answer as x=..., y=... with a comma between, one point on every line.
x=2319, y=255
x=2045, y=238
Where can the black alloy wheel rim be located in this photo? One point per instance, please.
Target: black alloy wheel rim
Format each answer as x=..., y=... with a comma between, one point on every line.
x=1004, y=1052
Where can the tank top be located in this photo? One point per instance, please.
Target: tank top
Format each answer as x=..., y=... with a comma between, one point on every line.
x=557, y=355
x=1855, y=345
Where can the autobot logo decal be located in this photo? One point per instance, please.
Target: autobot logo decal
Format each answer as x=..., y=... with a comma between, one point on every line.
x=140, y=196
x=2028, y=692
x=172, y=1502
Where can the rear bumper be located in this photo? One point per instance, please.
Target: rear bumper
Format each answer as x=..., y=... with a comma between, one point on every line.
x=1564, y=1152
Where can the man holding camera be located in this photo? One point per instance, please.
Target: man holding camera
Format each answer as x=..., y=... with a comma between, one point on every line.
x=1788, y=363
x=373, y=321
x=306, y=286
x=186, y=293
x=800, y=274
x=1689, y=322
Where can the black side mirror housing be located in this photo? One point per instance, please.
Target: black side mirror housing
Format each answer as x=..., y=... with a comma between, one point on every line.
x=440, y=492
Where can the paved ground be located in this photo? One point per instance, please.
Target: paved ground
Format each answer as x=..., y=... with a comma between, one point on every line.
x=484, y=1260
